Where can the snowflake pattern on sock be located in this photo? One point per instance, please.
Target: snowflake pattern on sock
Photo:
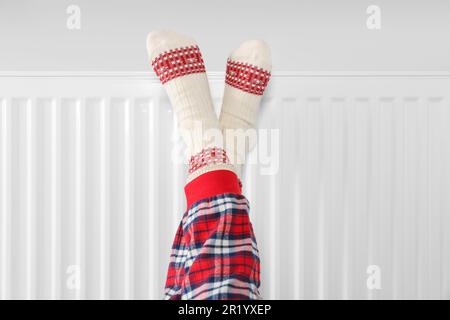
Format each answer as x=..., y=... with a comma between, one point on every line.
x=178, y=62
x=207, y=157
x=246, y=77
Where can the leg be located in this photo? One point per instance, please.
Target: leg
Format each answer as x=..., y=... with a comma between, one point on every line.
x=214, y=255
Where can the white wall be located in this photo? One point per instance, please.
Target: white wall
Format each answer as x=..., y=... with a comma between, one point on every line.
x=304, y=35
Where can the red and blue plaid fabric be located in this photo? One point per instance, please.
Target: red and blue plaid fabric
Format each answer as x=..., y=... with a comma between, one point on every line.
x=215, y=254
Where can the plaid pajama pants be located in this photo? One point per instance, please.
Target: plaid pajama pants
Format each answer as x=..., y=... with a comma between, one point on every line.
x=214, y=254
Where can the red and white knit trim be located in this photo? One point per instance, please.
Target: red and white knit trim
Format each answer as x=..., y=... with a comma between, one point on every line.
x=178, y=62
x=247, y=77
x=207, y=157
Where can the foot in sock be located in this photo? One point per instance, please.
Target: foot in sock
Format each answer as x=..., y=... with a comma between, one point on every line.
x=178, y=63
x=247, y=75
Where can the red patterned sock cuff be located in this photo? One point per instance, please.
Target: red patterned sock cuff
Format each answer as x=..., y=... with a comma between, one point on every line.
x=178, y=62
x=207, y=157
x=246, y=77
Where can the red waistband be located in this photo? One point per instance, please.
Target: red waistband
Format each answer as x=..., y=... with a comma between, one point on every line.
x=210, y=184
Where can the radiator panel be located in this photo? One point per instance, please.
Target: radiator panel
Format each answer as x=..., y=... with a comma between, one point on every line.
x=91, y=194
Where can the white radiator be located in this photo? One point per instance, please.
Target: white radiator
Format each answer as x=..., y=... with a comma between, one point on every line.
x=359, y=206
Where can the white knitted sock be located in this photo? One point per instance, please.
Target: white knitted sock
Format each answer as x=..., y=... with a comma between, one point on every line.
x=247, y=75
x=178, y=63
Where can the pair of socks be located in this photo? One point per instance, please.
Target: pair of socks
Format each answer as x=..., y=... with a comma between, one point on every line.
x=212, y=144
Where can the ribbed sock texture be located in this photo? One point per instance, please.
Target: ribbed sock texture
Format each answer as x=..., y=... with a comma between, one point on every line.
x=178, y=62
x=248, y=71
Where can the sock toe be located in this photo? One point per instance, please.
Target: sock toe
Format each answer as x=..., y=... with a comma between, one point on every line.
x=255, y=52
x=165, y=40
